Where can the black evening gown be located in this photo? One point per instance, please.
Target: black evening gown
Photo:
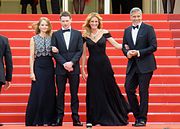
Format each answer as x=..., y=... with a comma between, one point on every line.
x=41, y=108
x=105, y=104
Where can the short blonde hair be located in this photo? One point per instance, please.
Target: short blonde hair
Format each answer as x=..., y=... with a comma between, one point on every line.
x=86, y=25
x=35, y=26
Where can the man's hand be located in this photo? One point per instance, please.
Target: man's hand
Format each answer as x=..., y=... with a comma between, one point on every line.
x=68, y=66
x=7, y=85
x=132, y=53
x=126, y=46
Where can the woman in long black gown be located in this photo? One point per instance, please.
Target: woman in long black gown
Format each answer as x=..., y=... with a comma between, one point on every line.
x=41, y=105
x=105, y=105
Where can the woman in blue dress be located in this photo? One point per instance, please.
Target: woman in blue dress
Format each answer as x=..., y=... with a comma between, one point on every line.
x=41, y=108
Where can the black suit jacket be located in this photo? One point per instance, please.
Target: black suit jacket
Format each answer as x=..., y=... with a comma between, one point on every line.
x=5, y=56
x=146, y=43
x=72, y=54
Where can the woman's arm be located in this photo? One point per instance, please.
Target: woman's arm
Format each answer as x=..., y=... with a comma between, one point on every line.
x=114, y=43
x=112, y=40
x=84, y=61
x=32, y=75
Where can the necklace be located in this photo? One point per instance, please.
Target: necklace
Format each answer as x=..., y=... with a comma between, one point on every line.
x=94, y=35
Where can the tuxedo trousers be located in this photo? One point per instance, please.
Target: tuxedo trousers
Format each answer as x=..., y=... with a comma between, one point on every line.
x=134, y=79
x=61, y=81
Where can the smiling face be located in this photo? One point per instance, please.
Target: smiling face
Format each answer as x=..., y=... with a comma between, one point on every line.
x=94, y=23
x=65, y=22
x=136, y=17
x=43, y=26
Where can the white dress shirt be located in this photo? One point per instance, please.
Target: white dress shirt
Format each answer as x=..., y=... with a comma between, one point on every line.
x=135, y=33
x=134, y=36
x=67, y=36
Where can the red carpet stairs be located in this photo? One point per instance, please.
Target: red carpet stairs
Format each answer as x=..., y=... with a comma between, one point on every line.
x=164, y=98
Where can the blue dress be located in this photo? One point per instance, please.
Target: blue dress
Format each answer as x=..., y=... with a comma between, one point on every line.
x=41, y=108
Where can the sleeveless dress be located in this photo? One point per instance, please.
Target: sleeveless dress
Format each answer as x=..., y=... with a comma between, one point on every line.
x=105, y=105
x=41, y=108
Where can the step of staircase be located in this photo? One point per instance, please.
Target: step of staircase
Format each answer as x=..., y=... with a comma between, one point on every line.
x=118, y=69
x=152, y=117
x=111, y=51
x=153, y=89
x=114, y=33
x=162, y=42
x=115, y=60
x=153, y=107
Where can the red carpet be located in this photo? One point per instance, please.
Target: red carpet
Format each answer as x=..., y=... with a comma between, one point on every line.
x=148, y=126
x=164, y=106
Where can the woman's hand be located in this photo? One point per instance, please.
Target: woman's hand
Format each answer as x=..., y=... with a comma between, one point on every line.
x=84, y=75
x=54, y=49
x=32, y=76
x=126, y=46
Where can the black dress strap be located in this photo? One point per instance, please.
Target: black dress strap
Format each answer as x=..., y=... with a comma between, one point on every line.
x=84, y=40
x=107, y=35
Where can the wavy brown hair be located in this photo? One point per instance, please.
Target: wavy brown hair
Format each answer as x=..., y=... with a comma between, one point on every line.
x=35, y=26
x=86, y=25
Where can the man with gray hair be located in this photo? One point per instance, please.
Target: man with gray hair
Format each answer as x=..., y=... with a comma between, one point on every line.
x=141, y=39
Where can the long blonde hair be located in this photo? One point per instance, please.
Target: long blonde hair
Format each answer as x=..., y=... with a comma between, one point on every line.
x=35, y=26
x=86, y=25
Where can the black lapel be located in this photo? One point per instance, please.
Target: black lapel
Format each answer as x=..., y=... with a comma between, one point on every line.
x=62, y=39
x=71, y=38
x=140, y=31
x=130, y=36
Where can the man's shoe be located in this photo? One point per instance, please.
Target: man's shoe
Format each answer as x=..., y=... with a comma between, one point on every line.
x=1, y=124
x=77, y=123
x=139, y=123
x=135, y=123
x=58, y=122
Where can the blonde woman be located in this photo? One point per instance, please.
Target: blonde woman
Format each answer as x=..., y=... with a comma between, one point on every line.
x=41, y=105
x=105, y=105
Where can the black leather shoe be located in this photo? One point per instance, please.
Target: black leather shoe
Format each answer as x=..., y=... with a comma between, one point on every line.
x=58, y=122
x=77, y=123
x=135, y=123
x=139, y=123
x=1, y=124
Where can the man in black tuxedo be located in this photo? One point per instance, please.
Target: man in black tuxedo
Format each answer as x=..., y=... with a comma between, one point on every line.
x=142, y=43
x=69, y=43
x=5, y=57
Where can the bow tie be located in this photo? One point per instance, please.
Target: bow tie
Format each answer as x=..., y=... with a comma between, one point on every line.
x=134, y=27
x=67, y=30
